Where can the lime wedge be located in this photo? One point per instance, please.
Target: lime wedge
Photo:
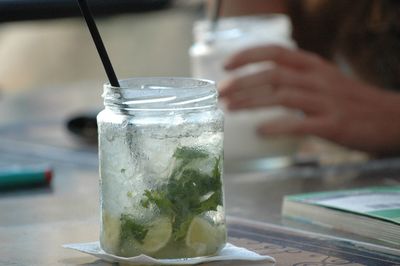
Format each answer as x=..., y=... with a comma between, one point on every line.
x=110, y=232
x=158, y=236
x=203, y=237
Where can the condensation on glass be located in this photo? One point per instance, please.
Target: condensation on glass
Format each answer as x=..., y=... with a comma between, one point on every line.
x=161, y=153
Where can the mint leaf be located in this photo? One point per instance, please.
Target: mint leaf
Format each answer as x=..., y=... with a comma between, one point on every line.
x=216, y=173
x=189, y=192
x=130, y=228
x=187, y=153
x=158, y=198
x=211, y=203
x=182, y=226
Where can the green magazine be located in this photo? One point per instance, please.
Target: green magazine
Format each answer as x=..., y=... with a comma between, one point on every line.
x=372, y=212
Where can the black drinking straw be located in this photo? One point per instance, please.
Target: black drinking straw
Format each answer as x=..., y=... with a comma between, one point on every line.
x=216, y=13
x=98, y=42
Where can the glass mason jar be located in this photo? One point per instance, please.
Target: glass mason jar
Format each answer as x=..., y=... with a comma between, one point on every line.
x=210, y=50
x=212, y=47
x=161, y=152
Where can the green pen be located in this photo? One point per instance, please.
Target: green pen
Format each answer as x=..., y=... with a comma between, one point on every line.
x=25, y=176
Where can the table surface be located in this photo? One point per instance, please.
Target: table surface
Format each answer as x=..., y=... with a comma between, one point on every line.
x=35, y=222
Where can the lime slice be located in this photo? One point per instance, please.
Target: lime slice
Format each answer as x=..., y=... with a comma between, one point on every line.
x=203, y=237
x=110, y=235
x=158, y=236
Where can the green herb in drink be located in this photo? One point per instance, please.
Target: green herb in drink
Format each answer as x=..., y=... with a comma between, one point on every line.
x=130, y=228
x=188, y=193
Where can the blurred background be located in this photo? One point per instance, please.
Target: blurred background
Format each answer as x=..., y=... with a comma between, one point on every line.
x=46, y=47
x=48, y=59
x=45, y=43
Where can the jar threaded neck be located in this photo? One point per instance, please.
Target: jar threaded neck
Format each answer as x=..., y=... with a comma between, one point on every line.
x=161, y=94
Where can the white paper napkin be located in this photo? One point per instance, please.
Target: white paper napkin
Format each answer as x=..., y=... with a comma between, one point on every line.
x=228, y=253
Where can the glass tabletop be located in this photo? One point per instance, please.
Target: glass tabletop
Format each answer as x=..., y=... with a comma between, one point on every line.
x=254, y=190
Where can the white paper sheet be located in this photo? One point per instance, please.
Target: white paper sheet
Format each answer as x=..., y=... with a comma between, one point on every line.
x=228, y=253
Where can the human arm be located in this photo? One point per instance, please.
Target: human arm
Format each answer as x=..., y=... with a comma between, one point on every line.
x=250, y=7
x=334, y=106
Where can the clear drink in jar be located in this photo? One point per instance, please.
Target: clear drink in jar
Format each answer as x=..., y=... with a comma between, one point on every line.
x=161, y=181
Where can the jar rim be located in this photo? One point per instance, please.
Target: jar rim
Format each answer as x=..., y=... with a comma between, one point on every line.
x=130, y=83
x=161, y=94
x=274, y=27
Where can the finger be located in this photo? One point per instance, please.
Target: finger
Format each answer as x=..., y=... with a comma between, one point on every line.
x=309, y=103
x=239, y=85
x=298, y=59
x=297, y=127
x=271, y=77
x=249, y=94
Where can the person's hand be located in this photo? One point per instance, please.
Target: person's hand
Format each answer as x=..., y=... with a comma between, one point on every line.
x=335, y=106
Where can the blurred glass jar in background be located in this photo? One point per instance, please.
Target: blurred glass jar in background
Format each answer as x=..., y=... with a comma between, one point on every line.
x=212, y=48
